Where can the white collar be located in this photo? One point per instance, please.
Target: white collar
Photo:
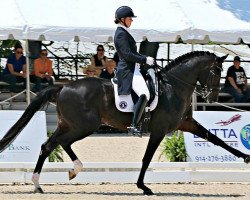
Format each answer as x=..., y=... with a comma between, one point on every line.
x=127, y=29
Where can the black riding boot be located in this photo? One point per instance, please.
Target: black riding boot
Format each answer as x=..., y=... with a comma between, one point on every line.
x=138, y=111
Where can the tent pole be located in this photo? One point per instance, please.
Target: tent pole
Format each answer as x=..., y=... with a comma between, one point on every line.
x=168, y=52
x=27, y=71
x=194, y=97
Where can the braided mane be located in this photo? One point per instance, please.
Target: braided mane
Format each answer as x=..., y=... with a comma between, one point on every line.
x=186, y=56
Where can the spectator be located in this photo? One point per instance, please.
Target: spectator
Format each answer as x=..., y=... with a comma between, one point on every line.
x=108, y=72
x=91, y=71
x=116, y=58
x=15, y=70
x=236, y=82
x=42, y=72
x=99, y=60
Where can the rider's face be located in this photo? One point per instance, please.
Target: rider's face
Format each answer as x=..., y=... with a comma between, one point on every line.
x=128, y=21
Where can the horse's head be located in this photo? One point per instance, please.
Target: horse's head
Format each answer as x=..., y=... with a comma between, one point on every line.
x=210, y=80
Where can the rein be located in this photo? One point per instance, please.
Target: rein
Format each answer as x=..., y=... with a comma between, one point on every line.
x=184, y=82
x=202, y=90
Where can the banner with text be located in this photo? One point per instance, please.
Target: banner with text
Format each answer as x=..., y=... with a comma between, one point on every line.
x=27, y=145
x=232, y=127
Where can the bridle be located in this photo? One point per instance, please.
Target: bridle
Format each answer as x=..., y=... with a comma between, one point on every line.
x=207, y=89
x=203, y=90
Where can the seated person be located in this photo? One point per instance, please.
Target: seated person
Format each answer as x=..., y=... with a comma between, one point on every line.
x=108, y=72
x=42, y=72
x=15, y=70
x=99, y=60
x=116, y=58
x=236, y=82
x=91, y=71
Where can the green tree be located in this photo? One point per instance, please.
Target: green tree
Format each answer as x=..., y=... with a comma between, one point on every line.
x=6, y=47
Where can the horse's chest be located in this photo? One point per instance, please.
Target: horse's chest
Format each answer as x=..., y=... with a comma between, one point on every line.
x=177, y=104
x=178, y=110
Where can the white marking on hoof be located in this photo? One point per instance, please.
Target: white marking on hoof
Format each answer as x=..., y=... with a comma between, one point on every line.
x=77, y=166
x=35, y=180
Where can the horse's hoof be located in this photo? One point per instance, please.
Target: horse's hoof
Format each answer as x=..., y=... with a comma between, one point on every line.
x=247, y=159
x=148, y=192
x=38, y=190
x=71, y=174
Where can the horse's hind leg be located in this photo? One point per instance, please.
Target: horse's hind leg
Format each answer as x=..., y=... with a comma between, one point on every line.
x=192, y=126
x=77, y=163
x=66, y=140
x=46, y=149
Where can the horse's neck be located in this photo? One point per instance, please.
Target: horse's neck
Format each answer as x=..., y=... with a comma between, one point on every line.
x=183, y=77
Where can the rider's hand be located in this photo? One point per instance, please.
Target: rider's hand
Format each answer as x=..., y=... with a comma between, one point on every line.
x=150, y=60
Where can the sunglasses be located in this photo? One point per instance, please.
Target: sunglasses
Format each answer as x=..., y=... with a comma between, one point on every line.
x=19, y=52
x=44, y=54
x=100, y=49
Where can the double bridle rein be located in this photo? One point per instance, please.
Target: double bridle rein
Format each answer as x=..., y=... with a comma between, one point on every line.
x=205, y=90
x=202, y=90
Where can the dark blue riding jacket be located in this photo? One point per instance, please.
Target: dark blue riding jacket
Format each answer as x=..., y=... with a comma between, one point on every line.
x=128, y=56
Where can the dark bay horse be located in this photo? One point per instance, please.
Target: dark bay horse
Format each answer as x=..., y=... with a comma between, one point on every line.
x=85, y=104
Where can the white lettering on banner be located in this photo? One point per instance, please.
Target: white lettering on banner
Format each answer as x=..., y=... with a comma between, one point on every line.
x=232, y=127
x=27, y=145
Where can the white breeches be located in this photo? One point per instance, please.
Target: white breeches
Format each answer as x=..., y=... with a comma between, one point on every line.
x=138, y=84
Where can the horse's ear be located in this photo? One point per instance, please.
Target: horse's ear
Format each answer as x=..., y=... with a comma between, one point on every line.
x=222, y=59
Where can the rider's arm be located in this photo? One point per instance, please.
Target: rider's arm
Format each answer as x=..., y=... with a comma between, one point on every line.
x=124, y=49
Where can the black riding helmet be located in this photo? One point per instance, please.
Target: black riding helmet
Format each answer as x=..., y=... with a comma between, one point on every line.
x=123, y=12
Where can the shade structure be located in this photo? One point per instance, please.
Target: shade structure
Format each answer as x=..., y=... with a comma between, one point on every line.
x=197, y=21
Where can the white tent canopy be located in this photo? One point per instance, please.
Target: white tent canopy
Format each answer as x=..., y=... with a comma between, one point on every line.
x=224, y=21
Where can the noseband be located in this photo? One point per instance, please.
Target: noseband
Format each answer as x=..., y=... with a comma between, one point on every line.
x=205, y=90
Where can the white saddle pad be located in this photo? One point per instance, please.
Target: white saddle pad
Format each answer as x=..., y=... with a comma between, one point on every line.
x=124, y=103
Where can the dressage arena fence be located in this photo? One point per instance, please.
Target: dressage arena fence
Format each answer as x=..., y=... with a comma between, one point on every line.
x=127, y=172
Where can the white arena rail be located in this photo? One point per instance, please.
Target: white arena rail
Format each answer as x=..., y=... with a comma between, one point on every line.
x=162, y=172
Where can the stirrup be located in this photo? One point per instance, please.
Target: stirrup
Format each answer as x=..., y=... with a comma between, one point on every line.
x=132, y=130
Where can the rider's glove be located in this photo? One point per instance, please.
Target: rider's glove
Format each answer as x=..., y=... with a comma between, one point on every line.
x=150, y=60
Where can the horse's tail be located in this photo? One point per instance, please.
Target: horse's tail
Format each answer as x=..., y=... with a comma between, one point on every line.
x=46, y=95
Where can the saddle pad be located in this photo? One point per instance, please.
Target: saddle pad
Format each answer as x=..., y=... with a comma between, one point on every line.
x=124, y=103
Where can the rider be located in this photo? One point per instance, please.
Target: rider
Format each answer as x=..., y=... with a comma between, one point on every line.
x=128, y=68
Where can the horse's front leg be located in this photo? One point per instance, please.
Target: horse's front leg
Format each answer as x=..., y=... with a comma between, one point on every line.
x=192, y=126
x=154, y=141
